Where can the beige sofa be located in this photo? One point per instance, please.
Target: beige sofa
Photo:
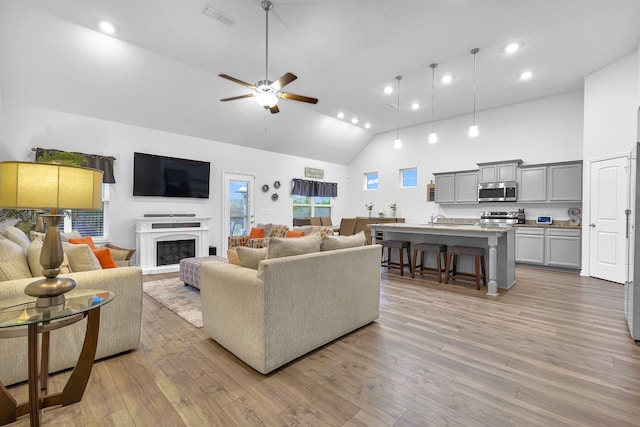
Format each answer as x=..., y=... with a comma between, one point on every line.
x=289, y=306
x=120, y=320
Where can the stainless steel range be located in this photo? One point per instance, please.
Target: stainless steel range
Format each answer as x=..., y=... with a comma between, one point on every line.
x=498, y=218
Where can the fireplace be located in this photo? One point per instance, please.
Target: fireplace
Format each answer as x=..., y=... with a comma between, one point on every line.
x=172, y=251
x=163, y=240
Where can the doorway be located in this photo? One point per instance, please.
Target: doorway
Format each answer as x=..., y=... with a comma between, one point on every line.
x=238, y=205
x=609, y=195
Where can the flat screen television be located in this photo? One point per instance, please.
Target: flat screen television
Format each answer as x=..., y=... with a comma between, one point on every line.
x=170, y=176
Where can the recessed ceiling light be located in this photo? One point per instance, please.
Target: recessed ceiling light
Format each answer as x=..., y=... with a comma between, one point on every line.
x=415, y=106
x=354, y=120
x=526, y=75
x=512, y=48
x=367, y=125
x=446, y=78
x=388, y=90
x=107, y=27
x=341, y=115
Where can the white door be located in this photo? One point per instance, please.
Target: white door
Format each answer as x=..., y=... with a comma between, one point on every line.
x=238, y=213
x=608, y=220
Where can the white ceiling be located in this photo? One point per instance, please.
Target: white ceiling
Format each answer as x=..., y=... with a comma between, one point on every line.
x=345, y=51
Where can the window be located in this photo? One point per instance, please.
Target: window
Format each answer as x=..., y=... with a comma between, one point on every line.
x=409, y=178
x=371, y=181
x=306, y=207
x=90, y=223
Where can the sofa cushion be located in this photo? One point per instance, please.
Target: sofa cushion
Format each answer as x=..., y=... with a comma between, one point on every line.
x=292, y=233
x=33, y=257
x=64, y=237
x=251, y=257
x=256, y=233
x=330, y=243
x=81, y=257
x=232, y=256
x=278, y=230
x=120, y=254
x=267, y=228
x=87, y=240
x=105, y=258
x=13, y=261
x=282, y=247
x=310, y=229
x=16, y=236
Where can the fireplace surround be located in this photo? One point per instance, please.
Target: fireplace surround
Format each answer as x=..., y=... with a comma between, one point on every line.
x=177, y=236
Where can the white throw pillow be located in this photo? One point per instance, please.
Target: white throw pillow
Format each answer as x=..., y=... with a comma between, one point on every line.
x=13, y=261
x=81, y=257
x=16, y=236
x=251, y=257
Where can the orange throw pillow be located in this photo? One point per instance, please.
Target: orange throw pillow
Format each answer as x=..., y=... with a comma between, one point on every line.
x=105, y=258
x=291, y=233
x=256, y=233
x=87, y=240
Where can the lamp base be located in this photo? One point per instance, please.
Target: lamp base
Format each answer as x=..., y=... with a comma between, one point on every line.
x=51, y=291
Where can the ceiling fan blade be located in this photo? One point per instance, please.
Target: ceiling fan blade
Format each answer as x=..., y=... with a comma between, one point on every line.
x=249, y=95
x=295, y=97
x=240, y=82
x=283, y=81
x=274, y=109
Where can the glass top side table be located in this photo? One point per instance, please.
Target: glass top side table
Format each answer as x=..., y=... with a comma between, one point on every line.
x=20, y=317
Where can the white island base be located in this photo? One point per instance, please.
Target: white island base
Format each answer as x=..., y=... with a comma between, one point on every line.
x=498, y=243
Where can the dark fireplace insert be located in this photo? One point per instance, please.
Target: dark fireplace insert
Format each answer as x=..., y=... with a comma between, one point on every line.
x=171, y=252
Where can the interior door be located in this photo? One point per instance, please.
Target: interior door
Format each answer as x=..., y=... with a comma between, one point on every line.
x=608, y=225
x=238, y=207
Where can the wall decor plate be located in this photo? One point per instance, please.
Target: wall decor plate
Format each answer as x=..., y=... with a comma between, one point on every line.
x=265, y=188
x=274, y=196
x=276, y=184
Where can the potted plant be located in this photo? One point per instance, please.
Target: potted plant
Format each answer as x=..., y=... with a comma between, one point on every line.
x=369, y=207
x=394, y=209
x=381, y=213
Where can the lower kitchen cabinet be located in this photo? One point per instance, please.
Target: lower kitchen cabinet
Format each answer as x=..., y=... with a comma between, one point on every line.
x=554, y=247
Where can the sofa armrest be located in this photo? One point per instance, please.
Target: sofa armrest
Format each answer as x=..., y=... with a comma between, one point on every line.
x=120, y=322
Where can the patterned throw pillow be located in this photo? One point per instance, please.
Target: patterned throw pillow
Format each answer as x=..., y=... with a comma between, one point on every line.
x=278, y=230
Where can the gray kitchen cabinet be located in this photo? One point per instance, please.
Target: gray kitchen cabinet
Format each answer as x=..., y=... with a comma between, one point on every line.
x=530, y=245
x=553, y=247
x=532, y=184
x=564, y=182
x=562, y=247
x=445, y=188
x=466, y=190
x=498, y=172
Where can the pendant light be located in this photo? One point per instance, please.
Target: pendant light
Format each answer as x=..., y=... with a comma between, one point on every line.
x=397, y=144
x=433, y=137
x=473, y=129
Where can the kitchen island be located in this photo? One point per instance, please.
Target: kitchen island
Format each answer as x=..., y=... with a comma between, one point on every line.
x=497, y=240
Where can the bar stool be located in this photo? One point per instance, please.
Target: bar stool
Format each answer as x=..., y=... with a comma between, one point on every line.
x=451, y=271
x=428, y=247
x=400, y=245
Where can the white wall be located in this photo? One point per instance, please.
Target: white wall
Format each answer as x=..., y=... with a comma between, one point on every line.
x=611, y=100
x=28, y=126
x=540, y=131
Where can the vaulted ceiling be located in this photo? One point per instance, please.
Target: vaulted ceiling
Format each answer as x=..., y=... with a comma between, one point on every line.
x=345, y=52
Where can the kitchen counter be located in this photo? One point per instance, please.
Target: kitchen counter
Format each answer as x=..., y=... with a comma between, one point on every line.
x=497, y=240
x=554, y=224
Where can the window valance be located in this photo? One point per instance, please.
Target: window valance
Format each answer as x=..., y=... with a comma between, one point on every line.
x=102, y=163
x=303, y=187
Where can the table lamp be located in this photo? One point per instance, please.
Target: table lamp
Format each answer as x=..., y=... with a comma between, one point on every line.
x=52, y=187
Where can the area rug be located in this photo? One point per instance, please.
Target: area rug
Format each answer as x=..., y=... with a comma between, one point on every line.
x=183, y=300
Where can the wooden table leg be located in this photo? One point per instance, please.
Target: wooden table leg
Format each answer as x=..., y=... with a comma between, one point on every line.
x=34, y=383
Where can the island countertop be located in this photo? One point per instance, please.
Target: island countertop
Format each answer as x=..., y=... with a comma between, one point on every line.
x=497, y=240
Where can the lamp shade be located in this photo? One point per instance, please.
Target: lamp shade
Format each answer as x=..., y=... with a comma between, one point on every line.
x=26, y=185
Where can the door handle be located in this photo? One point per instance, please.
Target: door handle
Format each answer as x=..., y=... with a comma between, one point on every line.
x=592, y=225
x=627, y=212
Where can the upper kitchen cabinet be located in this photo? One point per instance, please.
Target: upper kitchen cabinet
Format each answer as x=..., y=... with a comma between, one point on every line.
x=456, y=187
x=498, y=171
x=557, y=182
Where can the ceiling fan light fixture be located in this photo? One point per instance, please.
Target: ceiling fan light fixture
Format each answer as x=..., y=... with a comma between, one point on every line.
x=266, y=100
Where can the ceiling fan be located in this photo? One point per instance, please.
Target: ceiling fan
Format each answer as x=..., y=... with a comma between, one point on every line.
x=265, y=91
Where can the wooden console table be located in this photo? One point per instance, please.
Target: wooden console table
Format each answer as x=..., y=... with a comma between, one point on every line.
x=15, y=314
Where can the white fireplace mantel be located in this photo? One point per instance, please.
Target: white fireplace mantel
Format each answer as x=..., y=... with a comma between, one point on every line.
x=153, y=229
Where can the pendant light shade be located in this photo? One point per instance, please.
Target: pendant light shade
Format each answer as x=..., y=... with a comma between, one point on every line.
x=397, y=144
x=473, y=130
x=433, y=137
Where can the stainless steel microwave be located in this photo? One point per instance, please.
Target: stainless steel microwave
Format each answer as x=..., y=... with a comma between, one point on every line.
x=497, y=192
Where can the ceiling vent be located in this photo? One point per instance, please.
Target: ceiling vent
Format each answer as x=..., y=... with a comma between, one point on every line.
x=218, y=15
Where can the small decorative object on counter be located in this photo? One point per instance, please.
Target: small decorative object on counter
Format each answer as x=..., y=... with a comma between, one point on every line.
x=381, y=213
x=394, y=209
x=575, y=216
x=369, y=207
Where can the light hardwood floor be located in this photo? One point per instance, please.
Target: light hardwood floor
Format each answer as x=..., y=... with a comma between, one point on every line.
x=552, y=351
